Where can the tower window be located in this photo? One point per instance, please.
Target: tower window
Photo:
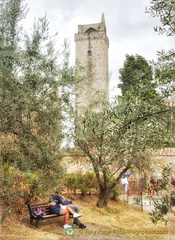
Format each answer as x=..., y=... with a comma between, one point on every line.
x=89, y=53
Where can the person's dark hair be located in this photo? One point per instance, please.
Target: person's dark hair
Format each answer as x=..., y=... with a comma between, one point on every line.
x=57, y=190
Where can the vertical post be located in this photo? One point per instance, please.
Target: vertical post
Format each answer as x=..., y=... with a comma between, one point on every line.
x=141, y=200
x=142, y=181
x=0, y=218
x=1, y=193
x=128, y=195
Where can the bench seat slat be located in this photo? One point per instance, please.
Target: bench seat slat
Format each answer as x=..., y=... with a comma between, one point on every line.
x=50, y=216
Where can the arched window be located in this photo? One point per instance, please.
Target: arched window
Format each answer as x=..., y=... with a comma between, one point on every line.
x=89, y=53
x=89, y=30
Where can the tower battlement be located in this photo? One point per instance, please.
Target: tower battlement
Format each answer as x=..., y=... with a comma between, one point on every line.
x=92, y=35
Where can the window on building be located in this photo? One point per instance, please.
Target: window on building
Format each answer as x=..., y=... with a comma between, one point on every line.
x=89, y=53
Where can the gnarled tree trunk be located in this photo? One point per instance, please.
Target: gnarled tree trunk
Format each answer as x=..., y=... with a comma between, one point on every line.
x=104, y=196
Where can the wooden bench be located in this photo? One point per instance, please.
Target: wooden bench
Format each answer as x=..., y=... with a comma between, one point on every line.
x=33, y=207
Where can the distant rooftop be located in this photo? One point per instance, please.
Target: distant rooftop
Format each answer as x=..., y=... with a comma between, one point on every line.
x=166, y=152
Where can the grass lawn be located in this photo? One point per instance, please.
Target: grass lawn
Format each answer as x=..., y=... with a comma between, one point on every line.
x=117, y=221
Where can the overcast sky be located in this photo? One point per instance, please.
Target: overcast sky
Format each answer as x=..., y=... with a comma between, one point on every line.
x=129, y=28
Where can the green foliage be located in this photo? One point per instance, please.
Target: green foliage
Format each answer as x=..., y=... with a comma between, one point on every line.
x=163, y=183
x=121, y=135
x=31, y=74
x=164, y=206
x=29, y=105
x=136, y=77
x=71, y=182
x=163, y=209
x=86, y=183
x=165, y=10
x=115, y=192
x=19, y=188
x=137, y=201
x=164, y=68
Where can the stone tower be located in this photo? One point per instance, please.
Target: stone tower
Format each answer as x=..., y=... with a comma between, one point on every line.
x=92, y=64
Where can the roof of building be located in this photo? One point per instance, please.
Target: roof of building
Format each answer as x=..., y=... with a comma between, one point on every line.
x=166, y=152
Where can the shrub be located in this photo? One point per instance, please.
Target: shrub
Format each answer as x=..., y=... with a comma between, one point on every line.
x=71, y=182
x=86, y=183
x=163, y=208
x=18, y=188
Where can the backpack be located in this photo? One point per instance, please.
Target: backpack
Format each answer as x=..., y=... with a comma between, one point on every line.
x=39, y=212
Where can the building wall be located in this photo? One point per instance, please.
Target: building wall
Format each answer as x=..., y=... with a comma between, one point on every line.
x=92, y=63
x=162, y=158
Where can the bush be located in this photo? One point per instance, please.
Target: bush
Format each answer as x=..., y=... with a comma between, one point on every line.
x=71, y=182
x=86, y=183
x=18, y=188
x=163, y=208
x=115, y=192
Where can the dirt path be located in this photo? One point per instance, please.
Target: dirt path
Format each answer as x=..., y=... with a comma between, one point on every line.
x=53, y=231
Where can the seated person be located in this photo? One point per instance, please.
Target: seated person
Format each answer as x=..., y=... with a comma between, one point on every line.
x=56, y=208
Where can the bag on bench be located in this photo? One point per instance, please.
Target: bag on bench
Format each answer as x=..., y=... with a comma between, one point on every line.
x=39, y=212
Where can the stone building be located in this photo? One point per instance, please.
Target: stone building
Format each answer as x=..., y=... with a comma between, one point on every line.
x=92, y=64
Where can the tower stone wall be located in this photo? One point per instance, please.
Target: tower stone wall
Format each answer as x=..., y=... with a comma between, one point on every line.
x=92, y=63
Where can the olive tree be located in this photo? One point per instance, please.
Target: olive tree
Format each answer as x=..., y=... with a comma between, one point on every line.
x=119, y=137
x=31, y=75
x=164, y=9
x=164, y=67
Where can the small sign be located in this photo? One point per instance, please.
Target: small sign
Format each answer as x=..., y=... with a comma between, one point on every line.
x=69, y=231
